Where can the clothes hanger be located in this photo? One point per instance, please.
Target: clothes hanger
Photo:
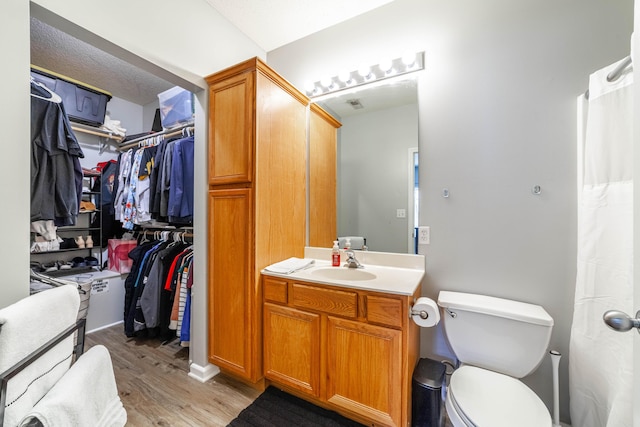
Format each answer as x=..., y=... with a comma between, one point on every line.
x=54, y=96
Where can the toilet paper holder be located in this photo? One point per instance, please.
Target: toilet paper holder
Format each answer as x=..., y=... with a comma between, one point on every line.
x=422, y=313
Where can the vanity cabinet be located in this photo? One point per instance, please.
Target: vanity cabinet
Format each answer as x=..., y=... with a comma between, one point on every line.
x=257, y=203
x=349, y=350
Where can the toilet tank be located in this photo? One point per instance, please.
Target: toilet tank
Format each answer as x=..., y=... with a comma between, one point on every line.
x=501, y=335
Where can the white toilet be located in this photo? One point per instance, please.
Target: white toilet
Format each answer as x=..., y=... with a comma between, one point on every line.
x=496, y=341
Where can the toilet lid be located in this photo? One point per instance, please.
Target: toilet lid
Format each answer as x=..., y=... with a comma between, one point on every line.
x=488, y=398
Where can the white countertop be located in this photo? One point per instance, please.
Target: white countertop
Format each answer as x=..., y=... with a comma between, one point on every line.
x=394, y=273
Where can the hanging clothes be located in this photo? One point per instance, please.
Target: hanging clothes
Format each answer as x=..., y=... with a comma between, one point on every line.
x=56, y=174
x=601, y=360
x=104, y=223
x=152, y=287
x=155, y=182
x=180, y=204
x=124, y=175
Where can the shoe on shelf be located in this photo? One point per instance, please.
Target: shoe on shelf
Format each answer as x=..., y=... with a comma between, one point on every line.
x=64, y=265
x=91, y=261
x=89, y=242
x=86, y=206
x=51, y=266
x=78, y=262
x=80, y=242
x=37, y=267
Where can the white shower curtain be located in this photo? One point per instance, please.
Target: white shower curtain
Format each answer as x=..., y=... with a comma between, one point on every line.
x=600, y=359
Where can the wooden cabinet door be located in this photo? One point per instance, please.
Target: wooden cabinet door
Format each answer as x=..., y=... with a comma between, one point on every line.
x=292, y=348
x=364, y=370
x=231, y=130
x=323, y=166
x=232, y=329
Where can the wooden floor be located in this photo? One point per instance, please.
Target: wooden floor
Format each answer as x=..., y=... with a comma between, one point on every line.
x=156, y=390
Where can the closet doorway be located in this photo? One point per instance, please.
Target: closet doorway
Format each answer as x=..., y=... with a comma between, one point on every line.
x=62, y=46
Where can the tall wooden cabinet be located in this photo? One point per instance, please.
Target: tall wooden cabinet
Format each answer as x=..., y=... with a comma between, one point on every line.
x=257, y=203
x=323, y=165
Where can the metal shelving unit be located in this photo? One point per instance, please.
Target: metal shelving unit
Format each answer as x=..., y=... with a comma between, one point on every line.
x=82, y=228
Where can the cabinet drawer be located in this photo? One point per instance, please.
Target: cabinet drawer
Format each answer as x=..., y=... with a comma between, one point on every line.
x=385, y=311
x=341, y=303
x=275, y=290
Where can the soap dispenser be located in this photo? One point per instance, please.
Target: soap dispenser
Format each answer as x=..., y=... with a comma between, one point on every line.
x=335, y=254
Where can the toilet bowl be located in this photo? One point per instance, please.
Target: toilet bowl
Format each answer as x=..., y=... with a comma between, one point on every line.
x=479, y=397
x=497, y=341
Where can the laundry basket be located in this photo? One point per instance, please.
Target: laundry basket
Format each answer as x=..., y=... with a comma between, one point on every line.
x=41, y=282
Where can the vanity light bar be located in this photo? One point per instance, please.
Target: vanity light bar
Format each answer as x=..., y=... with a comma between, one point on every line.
x=366, y=74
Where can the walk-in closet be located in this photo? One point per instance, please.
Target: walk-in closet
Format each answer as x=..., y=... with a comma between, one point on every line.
x=135, y=150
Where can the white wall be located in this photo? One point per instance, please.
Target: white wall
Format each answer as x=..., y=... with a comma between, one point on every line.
x=14, y=163
x=129, y=114
x=374, y=173
x=497, y=116
x=140, y=32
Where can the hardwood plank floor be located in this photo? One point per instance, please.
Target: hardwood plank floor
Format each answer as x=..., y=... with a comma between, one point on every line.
x=156, y=390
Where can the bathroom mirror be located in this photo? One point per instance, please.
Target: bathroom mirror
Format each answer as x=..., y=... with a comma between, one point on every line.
x=377, y=163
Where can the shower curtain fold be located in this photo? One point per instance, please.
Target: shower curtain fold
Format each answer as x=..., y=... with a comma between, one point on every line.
x=600, y=360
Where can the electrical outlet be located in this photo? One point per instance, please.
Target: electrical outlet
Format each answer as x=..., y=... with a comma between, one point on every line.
x=424, y=235
x=401, y=213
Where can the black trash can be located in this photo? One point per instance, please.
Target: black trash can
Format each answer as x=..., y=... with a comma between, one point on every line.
x=427, y=405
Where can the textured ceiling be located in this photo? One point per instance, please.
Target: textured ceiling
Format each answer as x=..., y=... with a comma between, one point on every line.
x=59, y=52
x=274, y=23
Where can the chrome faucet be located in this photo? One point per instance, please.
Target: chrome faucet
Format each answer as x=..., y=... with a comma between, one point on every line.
x=352, y=262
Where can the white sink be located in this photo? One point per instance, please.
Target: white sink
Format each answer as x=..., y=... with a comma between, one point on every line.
x=343, y=273
x=386, y=272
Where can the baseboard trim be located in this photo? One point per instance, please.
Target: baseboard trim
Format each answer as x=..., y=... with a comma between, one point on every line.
x=203, y=373
x=104, y=327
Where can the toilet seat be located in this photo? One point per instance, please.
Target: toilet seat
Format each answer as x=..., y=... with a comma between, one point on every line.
x=485, y=398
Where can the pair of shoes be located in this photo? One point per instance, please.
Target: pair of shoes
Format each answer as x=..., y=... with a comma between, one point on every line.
x=50, y=266
x=64, y=265
x=82, y=243
x=87, y=206
x=55, y=266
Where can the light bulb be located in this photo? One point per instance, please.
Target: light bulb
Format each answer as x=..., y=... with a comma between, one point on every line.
x=344, y=76
x=326, y=82
x=409, y=58
x=386, y=65
x=364, y=71
x=309, y=87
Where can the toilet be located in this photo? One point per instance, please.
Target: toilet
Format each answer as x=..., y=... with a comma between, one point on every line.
x=497, y=341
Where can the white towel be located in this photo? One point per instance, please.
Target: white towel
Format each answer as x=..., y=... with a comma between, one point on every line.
x=86, y=396
x=24, y=327
x=290, y=265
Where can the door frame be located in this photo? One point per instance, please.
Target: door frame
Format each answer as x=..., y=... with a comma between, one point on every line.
x=412, y=206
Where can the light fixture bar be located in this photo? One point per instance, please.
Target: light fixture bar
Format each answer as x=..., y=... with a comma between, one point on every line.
x=366, y=74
